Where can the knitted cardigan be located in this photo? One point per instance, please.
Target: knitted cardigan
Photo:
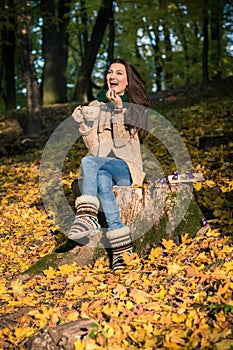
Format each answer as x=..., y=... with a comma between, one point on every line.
x=109, y=134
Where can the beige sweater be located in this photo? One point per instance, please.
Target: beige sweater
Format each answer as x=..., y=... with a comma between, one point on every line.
x=108, y=133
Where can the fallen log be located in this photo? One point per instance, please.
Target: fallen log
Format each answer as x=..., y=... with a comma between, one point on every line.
x=62, y=336
x=208, y=141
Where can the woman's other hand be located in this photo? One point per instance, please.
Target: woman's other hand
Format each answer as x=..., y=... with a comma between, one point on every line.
x=77, y=115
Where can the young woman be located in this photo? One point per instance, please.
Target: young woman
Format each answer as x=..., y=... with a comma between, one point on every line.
x=114, y=155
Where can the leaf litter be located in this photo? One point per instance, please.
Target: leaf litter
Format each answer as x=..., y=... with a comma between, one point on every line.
x=178, y=297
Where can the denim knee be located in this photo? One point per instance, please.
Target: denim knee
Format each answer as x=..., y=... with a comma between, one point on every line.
x=87, y=162
x=104, y=181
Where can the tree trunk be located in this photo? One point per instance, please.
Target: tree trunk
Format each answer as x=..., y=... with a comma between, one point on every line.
x=33, y=122
x=205, y=68
x=111, y=37
x=216, y=25
x=84, y=36
x=141, y=208
x=186, y=53
x=154, y=40
x=55, y=51
x=158, y=65
x=168, y=48
x=83, y=43
x=8, y=56
x=83, y=81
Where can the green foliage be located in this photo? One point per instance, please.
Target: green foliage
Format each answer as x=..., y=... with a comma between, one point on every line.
x=216, y=308
x=148, y=33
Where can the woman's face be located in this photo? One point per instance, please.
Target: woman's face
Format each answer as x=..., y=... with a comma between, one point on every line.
x=117, y=78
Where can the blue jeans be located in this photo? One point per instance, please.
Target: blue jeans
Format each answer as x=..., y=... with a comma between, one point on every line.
x=100, y=174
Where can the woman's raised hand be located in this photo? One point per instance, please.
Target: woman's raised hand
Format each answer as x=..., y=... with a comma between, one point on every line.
x=114, y=98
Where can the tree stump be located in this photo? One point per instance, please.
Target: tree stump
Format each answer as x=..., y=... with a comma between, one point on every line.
x=144, y=207
x=140, y=207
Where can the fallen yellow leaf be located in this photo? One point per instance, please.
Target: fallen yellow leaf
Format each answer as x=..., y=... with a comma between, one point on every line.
x=23, y=332
x=67, y=269
x=50, y=272
x=168, y=244
x=139, y=296
x=79, y=344
x=173, y=268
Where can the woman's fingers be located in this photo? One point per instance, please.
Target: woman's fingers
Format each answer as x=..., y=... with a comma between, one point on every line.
x=113, y=97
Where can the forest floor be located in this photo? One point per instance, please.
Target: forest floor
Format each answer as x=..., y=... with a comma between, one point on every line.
x=177, y=297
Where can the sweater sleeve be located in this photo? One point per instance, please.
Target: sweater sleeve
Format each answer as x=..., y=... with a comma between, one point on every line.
x=90, y=136
x=120, y=135
x=90, y=139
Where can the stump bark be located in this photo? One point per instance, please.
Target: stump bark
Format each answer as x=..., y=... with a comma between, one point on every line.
x=141, y=208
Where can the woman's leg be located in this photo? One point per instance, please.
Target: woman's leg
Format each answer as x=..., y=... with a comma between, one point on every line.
x=99, y=176
x=87, y=205
x=107, y=198
x=91, y=165
x=119, y=171
x=86, y=218
x=119, y=236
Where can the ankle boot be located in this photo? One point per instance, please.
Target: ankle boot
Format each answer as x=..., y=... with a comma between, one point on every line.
x=86, y=218
x=120, y=241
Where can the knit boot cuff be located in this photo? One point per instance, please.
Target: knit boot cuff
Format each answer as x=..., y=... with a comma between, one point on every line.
x=87, y=199
x=118, y=233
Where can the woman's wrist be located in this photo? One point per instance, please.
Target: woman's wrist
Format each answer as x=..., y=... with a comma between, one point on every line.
x=83, y=126
x=118, y=106
x=118, y=110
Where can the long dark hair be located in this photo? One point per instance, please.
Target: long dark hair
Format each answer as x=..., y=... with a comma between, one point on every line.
x=137, y=98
